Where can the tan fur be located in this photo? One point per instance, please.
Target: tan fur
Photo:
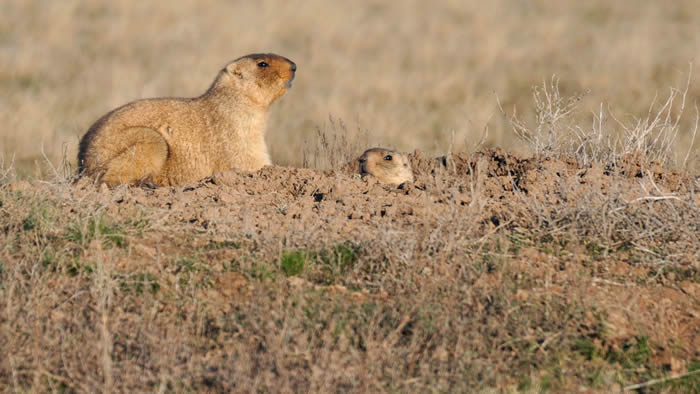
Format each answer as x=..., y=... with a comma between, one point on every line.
x=386, y=165
x=168, y=141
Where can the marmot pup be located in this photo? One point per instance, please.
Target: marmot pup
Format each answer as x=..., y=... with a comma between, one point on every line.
x=386, y=165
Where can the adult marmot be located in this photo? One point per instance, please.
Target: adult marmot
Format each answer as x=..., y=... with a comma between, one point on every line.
x=386, y=165
x=167, y=141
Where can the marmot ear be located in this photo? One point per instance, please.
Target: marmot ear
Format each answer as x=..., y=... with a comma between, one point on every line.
x=233, y=70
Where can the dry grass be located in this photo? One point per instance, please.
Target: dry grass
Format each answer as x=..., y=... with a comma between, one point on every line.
x=411, y=74
x=555, y=132
x=97, y=293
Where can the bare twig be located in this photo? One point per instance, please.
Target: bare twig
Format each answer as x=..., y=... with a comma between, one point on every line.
x=692, y=140
x=660, y=380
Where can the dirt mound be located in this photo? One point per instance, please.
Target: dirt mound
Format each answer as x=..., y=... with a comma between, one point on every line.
x=312, y=208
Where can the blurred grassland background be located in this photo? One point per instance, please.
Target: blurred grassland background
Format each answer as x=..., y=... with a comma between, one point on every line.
x=408, y=75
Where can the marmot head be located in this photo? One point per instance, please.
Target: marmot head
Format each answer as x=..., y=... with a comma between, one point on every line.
x=386, y=165
x=261, y=77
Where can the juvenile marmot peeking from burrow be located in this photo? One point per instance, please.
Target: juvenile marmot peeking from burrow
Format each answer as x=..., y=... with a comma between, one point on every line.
x=167, y=141
x=386, y=165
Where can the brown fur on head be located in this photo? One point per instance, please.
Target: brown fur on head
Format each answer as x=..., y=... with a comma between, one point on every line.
x=264, y=77
x=386, y=165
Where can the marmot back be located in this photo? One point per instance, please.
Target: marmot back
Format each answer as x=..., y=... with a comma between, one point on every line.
x=168, y=141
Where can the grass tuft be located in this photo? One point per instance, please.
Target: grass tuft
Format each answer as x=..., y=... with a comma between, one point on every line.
x=292, y=263
x=82, y=232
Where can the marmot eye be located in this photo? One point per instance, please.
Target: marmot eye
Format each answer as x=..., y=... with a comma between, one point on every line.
x=388, y=157
x=263, y=64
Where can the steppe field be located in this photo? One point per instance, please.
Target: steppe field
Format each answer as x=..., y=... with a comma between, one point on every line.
x=549, y=243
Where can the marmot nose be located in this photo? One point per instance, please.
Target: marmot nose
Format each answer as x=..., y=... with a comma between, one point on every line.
x=294, y=67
